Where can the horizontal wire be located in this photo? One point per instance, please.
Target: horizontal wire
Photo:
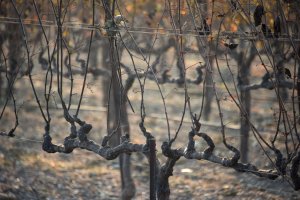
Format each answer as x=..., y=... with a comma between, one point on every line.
x=73, y=25
x=27, y=139
x=88, y=108
x=234, y=36
x=222, y=35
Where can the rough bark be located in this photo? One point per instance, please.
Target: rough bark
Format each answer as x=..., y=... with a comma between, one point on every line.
x=244, y=64
x=209, y=93
x=105, y=79
x=15, y=57
x=127, y=181
x=117, y=112
x=245, y=127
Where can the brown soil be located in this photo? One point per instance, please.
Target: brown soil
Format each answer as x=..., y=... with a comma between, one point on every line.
x=26, y=172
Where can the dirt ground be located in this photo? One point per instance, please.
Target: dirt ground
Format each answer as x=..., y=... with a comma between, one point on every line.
x=26, y=172
x=29, y=173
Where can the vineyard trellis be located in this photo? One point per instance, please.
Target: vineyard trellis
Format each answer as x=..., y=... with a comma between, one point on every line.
x=49, y=39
